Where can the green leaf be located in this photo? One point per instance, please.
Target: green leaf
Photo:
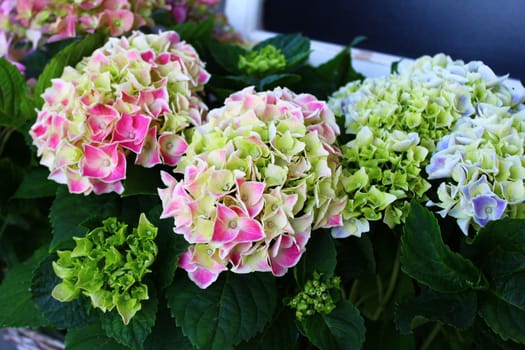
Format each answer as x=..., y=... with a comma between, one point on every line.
x=140, y=180
x=11, y=178
x=69, y=211
x=166, y=335
x=275, y=80
x=280, y=334
x=89, y=338
x=16, y=107
x=457, y=309
x=74, y=314
x=69, y=56
x=499, y=247
x=171, y=246
x=511, y=289
x=226, y=55
x=294, y=47
x=17, y=308
x=36, y=185
x=504, y=319
x=426, y=258
x=343, y=328
x=195, y=31
x=320, y=256
x=234, y=308
x=139, y=328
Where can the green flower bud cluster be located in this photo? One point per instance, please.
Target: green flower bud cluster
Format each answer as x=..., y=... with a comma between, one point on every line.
x=108, y=265
x=315, y=298
x=397, y=121
x=269, y=59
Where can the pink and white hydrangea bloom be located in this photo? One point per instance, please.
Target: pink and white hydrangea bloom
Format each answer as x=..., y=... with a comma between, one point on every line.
x=257, y=177
x=134, y=95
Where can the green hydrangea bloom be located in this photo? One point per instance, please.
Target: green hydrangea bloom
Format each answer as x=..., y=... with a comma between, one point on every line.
x=108, y=266
x=396, y=122
x=269, y=59
x=315, y=298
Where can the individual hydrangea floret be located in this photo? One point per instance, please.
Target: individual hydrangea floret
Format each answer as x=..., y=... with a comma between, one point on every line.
x=316, y=297
x=134, y=95
x=256, y=179
x=108, y=266
x=396, y=122
x=26, y=24
x=482, y=165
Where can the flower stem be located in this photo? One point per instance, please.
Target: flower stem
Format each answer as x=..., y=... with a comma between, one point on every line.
x=384, y=299
x=431, y=336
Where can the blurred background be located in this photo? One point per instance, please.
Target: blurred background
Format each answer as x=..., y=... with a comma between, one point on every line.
x=486, y=30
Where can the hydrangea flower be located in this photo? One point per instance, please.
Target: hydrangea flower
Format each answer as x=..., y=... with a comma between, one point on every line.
x=133, y=95
x=396, y=122
x=482, y=165
x=108, y=266
x=259, y=62
x=258, y=176
x=33, y=22
x=316, y=297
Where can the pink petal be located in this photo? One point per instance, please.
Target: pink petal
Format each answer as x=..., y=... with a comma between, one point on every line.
x=96, y=162
x=119, y=171
x=172, y=147
x=131, y=130
x=202, y=277
x=149, y=156
x=250, y=230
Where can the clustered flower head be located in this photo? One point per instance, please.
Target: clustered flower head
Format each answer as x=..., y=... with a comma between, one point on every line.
x=134, y=95
x=257, y=177
x=316, y=297
x=108, y=266
x=397, y=122
x=482, y=164
x=34, y=22
x=269, y=59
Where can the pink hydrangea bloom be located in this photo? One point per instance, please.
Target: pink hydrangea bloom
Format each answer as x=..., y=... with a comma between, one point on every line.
x=257, y=178
x=134, y=95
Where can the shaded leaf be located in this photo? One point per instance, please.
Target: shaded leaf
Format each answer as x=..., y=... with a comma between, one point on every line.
x=426, y=258
x=139, y=328
x=16, y=107
x=499, y=247
x=74, y=314
x=381, y=332
x=17, y=308
x=36, y=185
x=280, y=334
x=226, y=55
x=511, y=289
x=456, y=309
x=89, y=338
x=194, y=31
x=503, y=318
x=320, y=256
x=343, y=328
x=140, y=180
x=276, y=80
x=69, y=56
x=171, y=246
x=166, y=335
x=69, y=211
x=234, y=308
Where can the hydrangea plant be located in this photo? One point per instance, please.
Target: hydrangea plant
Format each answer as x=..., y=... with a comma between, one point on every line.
x=134, y=95
x=108, y=265
x=397, y=122
x=258, y=176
